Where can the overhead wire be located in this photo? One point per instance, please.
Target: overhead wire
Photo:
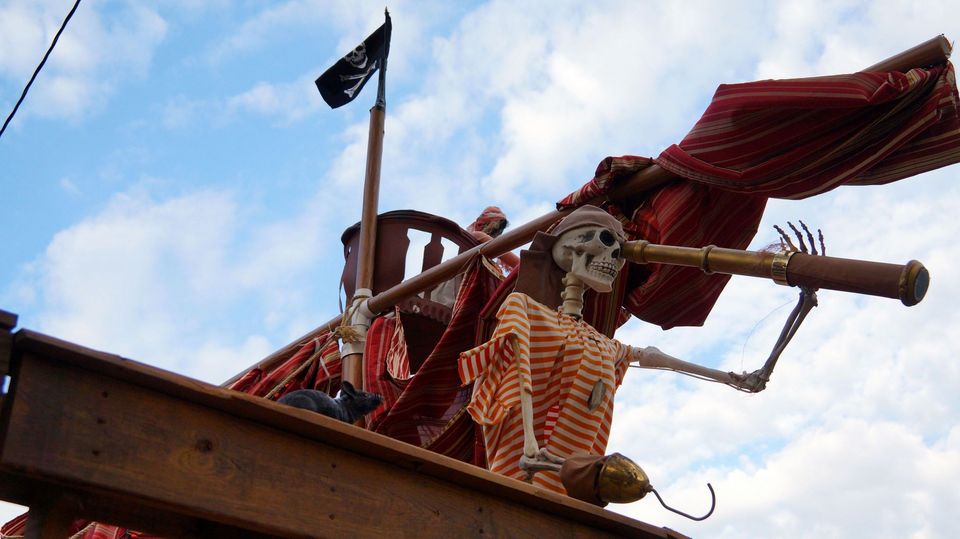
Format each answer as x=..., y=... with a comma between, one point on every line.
x=39, y=67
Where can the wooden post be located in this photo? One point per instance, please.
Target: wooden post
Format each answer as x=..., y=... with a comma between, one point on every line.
x=50, y=517
x=353, y=361
x=352, y=365
x=8, y=321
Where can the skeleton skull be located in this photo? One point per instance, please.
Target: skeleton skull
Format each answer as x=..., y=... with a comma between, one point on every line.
x=592, y=253
x=357, y=57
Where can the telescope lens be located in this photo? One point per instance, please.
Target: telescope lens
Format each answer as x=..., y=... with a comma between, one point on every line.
x=920, y=286
x=913, y=283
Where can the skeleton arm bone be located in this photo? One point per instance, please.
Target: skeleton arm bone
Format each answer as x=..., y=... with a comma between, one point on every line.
x=534, y=459
x=754, y=382
x=652, y=358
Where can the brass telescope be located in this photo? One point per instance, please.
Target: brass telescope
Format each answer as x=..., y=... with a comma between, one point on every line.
x=907, y=282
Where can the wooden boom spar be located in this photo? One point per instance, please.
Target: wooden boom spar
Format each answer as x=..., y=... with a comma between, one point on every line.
x=935, y=50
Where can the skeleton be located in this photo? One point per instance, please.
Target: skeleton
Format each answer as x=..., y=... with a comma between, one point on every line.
x=591, y=255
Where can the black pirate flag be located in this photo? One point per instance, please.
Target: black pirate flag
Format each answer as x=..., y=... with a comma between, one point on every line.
x=342, y=82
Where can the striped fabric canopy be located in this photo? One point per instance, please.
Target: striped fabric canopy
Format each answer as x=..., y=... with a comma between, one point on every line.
x=777, y=138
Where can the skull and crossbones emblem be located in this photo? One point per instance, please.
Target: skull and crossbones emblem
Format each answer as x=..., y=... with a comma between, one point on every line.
x=357, y=57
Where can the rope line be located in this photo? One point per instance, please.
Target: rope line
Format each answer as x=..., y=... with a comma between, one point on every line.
x=39, y=67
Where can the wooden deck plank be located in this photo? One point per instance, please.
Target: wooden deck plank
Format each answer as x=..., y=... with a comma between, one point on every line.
x=105, y=426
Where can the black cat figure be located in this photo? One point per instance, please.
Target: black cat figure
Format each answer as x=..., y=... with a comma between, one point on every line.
x=349, y=406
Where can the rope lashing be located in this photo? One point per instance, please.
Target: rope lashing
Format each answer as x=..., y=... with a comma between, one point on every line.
x=348, y=332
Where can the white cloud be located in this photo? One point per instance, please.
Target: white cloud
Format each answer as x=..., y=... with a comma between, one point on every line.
x=286, y=102
x=180, y=112
x=354, y=18
x=856, y=433
x=879, y=478
x=604, y=76
x=268, y=22
x=161, y=281
x=20, y=31
x=69, y=186
x=844, y=36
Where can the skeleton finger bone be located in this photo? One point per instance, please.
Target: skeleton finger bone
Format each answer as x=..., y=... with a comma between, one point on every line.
x=785, y=237
x=813, y=245
x=803, y=246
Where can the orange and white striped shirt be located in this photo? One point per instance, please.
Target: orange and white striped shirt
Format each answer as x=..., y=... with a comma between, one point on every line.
x=561, y=361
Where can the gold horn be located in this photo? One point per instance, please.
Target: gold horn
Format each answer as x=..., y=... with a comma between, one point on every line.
x=621, y=480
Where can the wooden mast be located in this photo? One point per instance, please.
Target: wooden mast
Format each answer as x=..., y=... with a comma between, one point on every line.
x=360, y=314
x=353, y=352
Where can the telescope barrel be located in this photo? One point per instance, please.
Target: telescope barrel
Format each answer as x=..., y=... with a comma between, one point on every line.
x=907, y=282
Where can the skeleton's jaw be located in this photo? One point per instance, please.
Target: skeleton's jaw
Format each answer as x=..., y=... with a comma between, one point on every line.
x=597, y=275
x=600, y=276
x=592, y=253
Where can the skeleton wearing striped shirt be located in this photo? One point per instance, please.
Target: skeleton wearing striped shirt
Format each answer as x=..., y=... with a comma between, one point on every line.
x=549, y=375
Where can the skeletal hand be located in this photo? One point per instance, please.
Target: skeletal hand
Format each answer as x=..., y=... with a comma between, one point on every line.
x=753, y=382
x=542, y=460
x=809, y=294
x=787, y=244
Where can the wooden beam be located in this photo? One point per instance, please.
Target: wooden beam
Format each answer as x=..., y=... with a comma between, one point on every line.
x=117, y=510
x=931, y=52
x=110, y=428
x=8, y=321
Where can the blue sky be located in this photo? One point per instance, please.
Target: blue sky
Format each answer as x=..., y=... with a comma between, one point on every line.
x=175, y=190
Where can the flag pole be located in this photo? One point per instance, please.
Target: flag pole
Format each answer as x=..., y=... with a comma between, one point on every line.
x=352, y=360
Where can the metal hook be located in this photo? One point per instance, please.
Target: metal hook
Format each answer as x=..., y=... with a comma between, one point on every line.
x=713, y=504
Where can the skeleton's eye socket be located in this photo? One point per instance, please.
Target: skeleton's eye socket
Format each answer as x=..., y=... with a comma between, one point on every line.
x=607, y=238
